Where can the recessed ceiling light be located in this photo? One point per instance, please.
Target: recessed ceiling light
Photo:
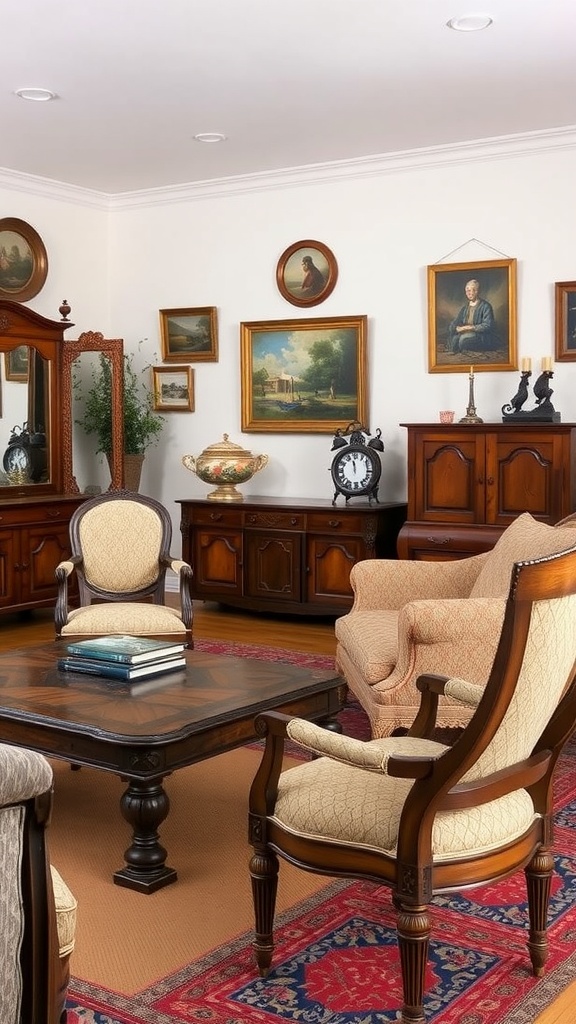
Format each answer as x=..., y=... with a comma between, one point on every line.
x=37, y=95
x=470, y=22
x=210, y=137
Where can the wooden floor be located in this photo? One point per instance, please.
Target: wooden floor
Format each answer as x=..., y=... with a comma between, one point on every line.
x=211, y=621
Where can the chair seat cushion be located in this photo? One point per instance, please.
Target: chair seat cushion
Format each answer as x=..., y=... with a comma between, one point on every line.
x=525, y=538
x=124, y=617
x=328, y=799
x=371, y=642
x=65, y=913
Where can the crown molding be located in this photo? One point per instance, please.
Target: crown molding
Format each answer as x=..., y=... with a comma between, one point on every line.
x=498, y=148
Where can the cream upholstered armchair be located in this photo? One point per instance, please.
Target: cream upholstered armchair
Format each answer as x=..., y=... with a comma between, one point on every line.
x=120, y=545
x=37, y=910
x=411, y=617
x=422, y=818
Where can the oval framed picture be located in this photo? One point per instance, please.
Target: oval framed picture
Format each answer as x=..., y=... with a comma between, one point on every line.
x=306, y=273
x=23, y=260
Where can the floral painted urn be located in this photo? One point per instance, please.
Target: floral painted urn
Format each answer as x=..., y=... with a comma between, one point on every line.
x=225, y=464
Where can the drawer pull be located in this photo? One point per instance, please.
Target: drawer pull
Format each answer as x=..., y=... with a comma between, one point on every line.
x=334, y=523
x=215, y=517
x=53, y=513
x=439, y=540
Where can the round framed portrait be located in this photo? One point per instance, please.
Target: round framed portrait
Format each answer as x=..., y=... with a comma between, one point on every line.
x=306, y=273
x=23, y=260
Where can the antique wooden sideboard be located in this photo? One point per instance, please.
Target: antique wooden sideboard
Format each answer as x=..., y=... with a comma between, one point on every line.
x=467, y=482
x=290, y=555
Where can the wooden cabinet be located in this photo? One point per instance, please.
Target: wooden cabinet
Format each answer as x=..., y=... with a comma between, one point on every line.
x=466, y=483
x=33, y=539
x=290, y=555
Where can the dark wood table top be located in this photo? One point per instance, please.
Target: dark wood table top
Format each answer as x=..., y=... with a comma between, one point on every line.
x=210, y=706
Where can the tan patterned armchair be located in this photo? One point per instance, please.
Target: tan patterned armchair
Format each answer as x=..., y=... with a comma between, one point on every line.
x=120, y=545
x=422, y=818
x=410, y=618
x=37, y=910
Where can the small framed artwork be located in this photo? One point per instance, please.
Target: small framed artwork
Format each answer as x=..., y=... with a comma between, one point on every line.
x=189, y=335
x=173, y=388
x=303, y=376
x=16, y=364
x=306, y=273
x=23, y=260
x=565, y=295
x=472, y=316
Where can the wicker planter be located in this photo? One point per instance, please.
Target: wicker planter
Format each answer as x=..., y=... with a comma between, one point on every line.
x=132, y=471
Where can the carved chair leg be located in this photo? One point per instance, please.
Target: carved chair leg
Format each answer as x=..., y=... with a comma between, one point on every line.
x=264, y=874
x=414, y=926
x=538, y=883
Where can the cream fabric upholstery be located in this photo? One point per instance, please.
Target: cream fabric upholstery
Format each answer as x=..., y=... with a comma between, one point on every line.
x=24, y=775
x=412, y=618
x=136, y=619
x=107, y=538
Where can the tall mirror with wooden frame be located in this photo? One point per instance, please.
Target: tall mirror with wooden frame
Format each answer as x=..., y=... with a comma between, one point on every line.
x=112, y=349
x=30, y=427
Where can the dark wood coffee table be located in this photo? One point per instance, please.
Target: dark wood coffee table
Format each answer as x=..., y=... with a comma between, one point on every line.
x=145, y=731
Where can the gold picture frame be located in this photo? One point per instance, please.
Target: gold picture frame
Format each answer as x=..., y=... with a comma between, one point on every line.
x=482, y=334
x=173, y=388
x=306, y=273
x=565, y=309
x=189, y=335
x=304, y=376
x=23, y=260
x=17, y=364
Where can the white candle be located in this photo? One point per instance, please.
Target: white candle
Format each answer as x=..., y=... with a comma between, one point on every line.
x=526, y=364
x=547, y=362
x=471, y=371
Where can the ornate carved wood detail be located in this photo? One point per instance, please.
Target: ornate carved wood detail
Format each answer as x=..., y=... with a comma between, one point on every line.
x=93, y=341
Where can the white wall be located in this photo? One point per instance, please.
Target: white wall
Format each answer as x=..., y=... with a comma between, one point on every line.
x=385, y=224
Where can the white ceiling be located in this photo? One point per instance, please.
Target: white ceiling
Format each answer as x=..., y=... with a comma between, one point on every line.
x=289, y=84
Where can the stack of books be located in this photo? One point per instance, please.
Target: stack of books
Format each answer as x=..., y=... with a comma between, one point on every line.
x=123, y=657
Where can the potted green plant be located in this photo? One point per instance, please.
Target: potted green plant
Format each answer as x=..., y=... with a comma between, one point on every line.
x=142, y=425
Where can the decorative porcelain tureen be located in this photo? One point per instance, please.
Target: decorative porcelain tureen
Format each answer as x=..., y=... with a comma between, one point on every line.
x=225, y=464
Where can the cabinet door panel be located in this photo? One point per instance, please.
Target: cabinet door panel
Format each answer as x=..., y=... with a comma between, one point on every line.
x=449, y=484
x=329, y=565
x=274, y=565
x=42, y=548
x=9, y=568
x=521, y=478
x=217, y=563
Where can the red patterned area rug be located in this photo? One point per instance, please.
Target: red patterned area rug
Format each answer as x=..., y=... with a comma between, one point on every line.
x=336, y=959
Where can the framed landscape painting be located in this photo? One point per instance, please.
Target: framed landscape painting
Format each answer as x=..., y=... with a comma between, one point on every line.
x=189, y=335
x=173, y=388
x=303, y=376
x=472, y=316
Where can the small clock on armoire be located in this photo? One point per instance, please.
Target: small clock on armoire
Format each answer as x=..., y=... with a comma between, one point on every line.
x=356, y=466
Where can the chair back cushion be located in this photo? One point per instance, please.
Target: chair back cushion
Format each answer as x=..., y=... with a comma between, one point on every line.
x=524, y=539
x=121, y=541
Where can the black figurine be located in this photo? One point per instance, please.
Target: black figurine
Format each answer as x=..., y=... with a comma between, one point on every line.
x=521, y=395
x=542, y=390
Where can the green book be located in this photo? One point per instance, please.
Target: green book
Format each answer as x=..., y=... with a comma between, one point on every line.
x=128, y=650
x=117, y=670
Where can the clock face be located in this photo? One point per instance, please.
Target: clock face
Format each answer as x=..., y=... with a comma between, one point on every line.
x=356, y=471
x=16, y=458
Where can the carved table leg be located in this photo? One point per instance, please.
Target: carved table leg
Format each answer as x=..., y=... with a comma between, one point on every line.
x=145, y=805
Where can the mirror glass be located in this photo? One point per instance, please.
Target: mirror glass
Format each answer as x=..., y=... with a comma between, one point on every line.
x=25, y=417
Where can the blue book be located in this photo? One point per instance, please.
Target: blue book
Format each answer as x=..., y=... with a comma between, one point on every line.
x=115, y=670
x=128, y=650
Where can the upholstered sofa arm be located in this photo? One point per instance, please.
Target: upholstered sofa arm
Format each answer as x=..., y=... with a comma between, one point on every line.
x=24, y=774
x=389, y=584
x=430, y=640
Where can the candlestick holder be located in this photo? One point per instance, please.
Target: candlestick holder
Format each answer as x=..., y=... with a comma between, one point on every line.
x=471, y=415
x=543, y=412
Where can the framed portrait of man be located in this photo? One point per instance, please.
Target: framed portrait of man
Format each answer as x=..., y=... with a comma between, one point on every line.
x=472, y=316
